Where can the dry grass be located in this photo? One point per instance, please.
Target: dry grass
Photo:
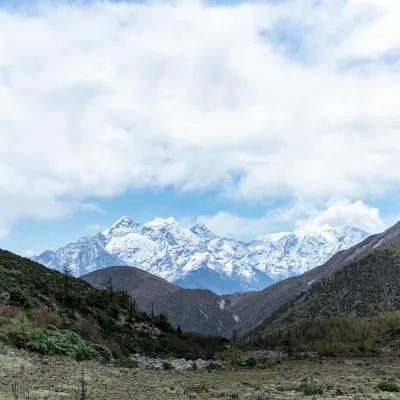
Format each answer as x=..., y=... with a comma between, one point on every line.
x=10, y=311
x=59, y=378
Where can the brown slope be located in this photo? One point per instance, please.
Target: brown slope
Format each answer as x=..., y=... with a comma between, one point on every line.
x=139, y=284
x=197, y=310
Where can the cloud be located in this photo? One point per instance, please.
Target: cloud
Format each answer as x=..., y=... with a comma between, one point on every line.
x=300, y=215
x=3, y=233
x=28, y=253
x=94, y=228
x=91, y=207
x=345, y=212
x=224, y=224
x=101, y=97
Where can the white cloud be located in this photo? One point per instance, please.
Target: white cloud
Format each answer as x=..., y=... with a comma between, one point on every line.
x=91, y=207
x=345, y=212
x=94, y=228
x=300, y=215
x=224, y=224
x=28, y=253
x=100, y=97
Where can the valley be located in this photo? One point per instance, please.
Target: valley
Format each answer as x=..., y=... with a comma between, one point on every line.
x=199, y=200
x=58, y=377
x=206, y=312
x=120, y=331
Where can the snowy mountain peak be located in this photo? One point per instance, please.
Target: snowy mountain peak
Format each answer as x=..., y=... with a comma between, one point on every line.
x=198, y=258
x=123, y=222
x=202, y=230
x=122, y=227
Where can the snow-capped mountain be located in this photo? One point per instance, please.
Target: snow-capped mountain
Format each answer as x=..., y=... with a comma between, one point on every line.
x=197, y=258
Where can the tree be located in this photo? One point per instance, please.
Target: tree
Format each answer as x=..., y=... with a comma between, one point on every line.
x=68, y=274
x=289, y=344
x=179, y=331
x=131, y=310
x=110, y=288
x=234, y=335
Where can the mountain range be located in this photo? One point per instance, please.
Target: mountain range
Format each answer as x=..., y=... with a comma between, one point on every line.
x=206, y=312
x=197, y=258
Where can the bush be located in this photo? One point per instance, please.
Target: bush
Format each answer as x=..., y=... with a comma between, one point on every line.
x=19, y=332
x=68, y=343
x=29, y=304
x=194, y=366
x=308, y=387
x=16, y=331
x=167, y=366
x=213, y=367
x=104, y=352
x=233, y=354
x=386, y=386
x=250, y=362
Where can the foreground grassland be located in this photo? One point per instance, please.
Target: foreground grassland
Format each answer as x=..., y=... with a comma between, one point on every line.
x=53, y=377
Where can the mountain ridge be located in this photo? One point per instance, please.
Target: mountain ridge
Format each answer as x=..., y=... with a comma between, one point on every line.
x=198, y=258
x=367, y=286
x=245, y=310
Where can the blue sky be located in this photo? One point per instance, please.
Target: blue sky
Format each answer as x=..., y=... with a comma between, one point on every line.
x=251, y=117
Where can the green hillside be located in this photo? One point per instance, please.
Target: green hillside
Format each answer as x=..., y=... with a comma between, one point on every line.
x=45, y=303
x=353, y=308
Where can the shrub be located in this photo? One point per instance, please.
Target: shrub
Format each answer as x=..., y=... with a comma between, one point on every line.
x=233, y=354
x=167, y=366
x=16, y=331
x=103, y=351
x=29, y=304
x=70, y=344
x=18, y=297
x=213, y=367
x=194, y=366
x=386, y=386
x=308, y=387
x=20, y=333
x=250, y=362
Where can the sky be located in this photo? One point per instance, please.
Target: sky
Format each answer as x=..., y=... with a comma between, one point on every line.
x=252, y=117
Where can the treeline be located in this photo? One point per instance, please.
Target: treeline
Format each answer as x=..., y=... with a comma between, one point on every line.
x=334, y=336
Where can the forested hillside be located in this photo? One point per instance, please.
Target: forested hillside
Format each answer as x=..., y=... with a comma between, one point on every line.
x=34, y=298
x=339, y=308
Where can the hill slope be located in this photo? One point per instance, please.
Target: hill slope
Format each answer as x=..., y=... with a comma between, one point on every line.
x=255, y=307
x=197, y=310
x=366, y=286
x=196, y=258
x=110, y=317
x=139, y=284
